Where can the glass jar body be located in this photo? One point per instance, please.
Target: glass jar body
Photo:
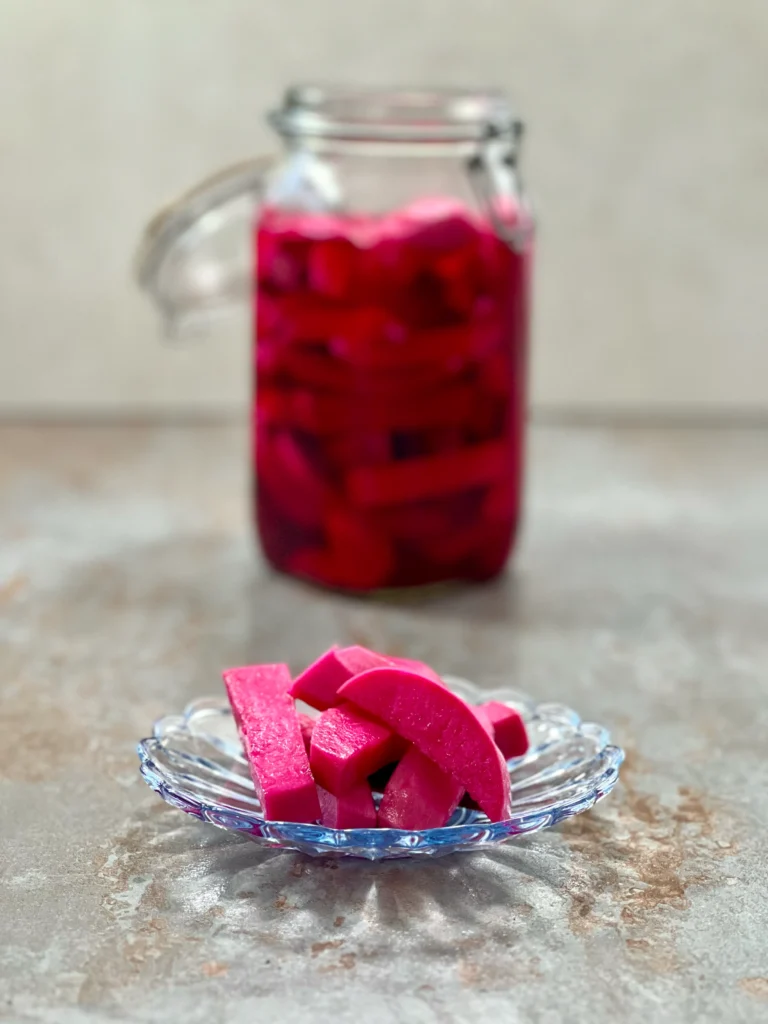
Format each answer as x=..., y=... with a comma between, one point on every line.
x=390, y=346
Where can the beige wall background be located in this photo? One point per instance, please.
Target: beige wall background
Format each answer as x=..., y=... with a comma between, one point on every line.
x=647, y=157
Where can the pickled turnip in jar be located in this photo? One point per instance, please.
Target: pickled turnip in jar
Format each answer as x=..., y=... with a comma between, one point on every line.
x=389, y=408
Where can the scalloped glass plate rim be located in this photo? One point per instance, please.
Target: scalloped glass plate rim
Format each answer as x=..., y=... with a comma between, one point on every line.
x=369, y=842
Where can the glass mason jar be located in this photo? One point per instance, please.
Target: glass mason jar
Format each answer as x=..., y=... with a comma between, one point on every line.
x=389, y=266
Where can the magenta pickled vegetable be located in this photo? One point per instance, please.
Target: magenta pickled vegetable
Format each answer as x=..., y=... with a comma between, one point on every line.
x=390, y=394
x=318, y=685
x=508, y=728
x=416, y=666
x=418, y=795
x=418, y=479
x=441, y=725
x=354, y=808
x=348, y=746
x=272, y=739
x=390, y=725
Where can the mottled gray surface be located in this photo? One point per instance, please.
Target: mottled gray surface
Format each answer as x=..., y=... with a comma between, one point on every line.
x=127, y=579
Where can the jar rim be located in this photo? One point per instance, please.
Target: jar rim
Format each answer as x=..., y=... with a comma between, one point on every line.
x=394, y=115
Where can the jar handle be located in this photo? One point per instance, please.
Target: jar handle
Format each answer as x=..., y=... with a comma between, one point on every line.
x=494, y=175
x=194, y=258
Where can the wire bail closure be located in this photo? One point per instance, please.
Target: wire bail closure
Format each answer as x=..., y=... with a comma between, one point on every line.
x=498, y=152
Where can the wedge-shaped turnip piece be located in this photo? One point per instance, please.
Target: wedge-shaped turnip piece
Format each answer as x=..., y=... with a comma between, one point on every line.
x=353, y=809
x=348, y=746
x=301, y=493
x=318, y=685
x=416, y=666
x=480, y=714
x=271, y=736
x=441, y=725
x=432, y=476
x=508, y=728
x=323, y=415
x=419, y=795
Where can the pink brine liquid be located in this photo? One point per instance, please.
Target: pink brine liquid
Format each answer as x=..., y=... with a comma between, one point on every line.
x=390, y=395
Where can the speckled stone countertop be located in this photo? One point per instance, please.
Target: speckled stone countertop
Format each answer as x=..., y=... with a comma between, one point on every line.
x=640, y=596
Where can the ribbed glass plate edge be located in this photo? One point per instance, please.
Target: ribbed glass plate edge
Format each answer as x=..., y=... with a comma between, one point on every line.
x=570, y=767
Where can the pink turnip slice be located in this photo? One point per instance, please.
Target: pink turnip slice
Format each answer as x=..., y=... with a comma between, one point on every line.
x=271, y=736
x=419, y=795
x=416, y=666
x=430, y=476
x=441, y=725
x=508, y=728
x=348, y=746
x=318, y=685
x=354, y=808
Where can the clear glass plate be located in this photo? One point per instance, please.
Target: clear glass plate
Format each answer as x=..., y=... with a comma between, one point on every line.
x=195, y=762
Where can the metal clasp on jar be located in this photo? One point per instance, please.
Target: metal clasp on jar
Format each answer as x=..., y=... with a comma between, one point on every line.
x=495, y=178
